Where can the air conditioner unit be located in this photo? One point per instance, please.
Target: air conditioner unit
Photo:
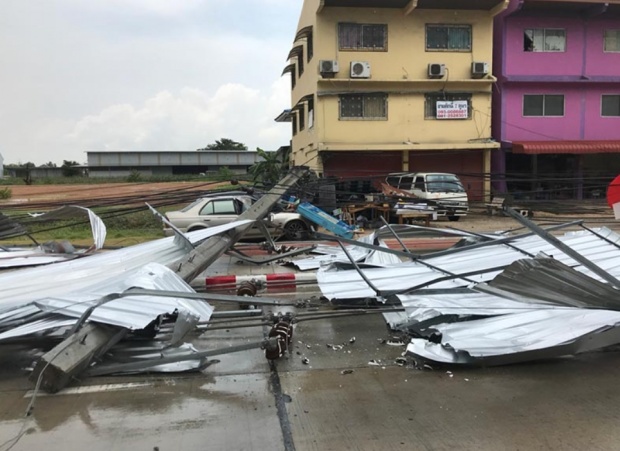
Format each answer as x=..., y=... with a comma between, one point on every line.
x=328, y=68
x=360, y=69
x=479, y=69
x=436, y=70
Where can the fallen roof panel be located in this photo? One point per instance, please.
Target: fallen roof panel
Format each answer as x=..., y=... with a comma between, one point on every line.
x=347, y=284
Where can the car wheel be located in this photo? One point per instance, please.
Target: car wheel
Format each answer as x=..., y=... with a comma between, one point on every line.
x=295, y=230
x=453, y=218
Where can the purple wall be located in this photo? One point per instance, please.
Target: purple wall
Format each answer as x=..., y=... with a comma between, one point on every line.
x=519, y=62
x=582, y=114
x=597, y=61
x=582, y=74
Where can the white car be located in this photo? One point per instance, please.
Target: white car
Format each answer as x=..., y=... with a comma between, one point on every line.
x=215, y=210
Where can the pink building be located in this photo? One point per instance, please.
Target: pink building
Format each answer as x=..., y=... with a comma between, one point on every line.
x=556, y=108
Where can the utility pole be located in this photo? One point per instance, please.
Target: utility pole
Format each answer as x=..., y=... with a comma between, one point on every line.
x=73, y=355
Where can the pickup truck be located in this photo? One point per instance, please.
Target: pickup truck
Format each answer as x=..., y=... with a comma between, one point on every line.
x=443, y=189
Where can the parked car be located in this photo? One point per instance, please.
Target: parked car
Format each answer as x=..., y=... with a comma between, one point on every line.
x=215, y=210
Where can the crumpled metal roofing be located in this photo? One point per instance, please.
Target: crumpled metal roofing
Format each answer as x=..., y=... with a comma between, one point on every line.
x=132, y=312
x=68, y=289
x=20, y=257
x=335, y=254
x=29, y=284
x=554, y=311
x=347, y=284
x=516, y=337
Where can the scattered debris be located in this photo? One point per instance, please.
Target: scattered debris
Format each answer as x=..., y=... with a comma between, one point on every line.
x=346, y=372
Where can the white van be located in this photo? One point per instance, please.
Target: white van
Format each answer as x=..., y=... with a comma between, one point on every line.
x=445, y=190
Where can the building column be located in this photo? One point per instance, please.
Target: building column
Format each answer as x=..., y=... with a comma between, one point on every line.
x=486, y=171
x=405, y=161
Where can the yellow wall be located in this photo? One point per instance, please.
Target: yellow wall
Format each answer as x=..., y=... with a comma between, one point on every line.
x=401, y=72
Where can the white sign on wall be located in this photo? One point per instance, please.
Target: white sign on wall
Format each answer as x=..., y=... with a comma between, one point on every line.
x=452, y=109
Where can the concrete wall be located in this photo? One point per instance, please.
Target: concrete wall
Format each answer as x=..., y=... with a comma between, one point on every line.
x=401, y=72
x=582, y=74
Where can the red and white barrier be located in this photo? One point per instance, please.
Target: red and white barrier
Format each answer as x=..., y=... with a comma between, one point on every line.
x=270, y=280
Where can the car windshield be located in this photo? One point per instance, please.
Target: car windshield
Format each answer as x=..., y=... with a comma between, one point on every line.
x=445, y=183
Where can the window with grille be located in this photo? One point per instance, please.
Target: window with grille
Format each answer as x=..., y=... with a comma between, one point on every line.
x=448, y=37
x=368, y=37
x=611, y=41
x=363, y=106
x=431, y=99
x=543, y=105
x=544, y=40
x=610, y=105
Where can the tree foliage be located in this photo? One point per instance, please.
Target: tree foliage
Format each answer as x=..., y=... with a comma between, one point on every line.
x=49, y=164
x=269, y=170
x=70, y=168
x=225, y=144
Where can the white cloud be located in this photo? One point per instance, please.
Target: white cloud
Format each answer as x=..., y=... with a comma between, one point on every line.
x=141, y=74
x=186, y=121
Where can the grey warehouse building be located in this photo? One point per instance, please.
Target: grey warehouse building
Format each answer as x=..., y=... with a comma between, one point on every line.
x=121, y=164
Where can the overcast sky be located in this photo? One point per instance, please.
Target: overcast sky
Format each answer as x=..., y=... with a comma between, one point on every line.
x=98, y=75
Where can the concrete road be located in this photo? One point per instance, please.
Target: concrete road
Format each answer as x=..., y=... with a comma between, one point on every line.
x=350, y=395
x=353, y=397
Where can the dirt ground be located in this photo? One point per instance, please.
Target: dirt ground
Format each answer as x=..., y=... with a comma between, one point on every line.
x=40, y=194
x=594, y=214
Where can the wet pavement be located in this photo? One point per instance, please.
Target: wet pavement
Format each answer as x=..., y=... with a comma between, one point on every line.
x=339, y=389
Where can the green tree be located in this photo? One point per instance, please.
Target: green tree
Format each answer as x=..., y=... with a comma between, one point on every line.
x=70, y=168
x=49, y=164
x=269, y=170
x=224, y=144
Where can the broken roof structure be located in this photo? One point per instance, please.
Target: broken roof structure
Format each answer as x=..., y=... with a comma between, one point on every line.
x=505, y=300
x=90, y=304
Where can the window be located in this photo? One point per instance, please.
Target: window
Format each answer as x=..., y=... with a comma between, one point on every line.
x=310, y=46
x=310, y=112
x=544, y=40
x=611, y=41
x=363, y=106
x=448, y=37
x=419, y=183
x=430, y=105
x=294, y=122
x=300, y=62
x=219, y=207
x=610, y=105
x=543, y=105
x=355, y=36
x=302, y=117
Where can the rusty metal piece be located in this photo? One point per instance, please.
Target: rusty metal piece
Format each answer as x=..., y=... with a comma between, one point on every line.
x=283, y=332
x=247, y=288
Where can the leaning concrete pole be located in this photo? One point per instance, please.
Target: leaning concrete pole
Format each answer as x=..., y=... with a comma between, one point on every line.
x=213, y=248
x=71, y=357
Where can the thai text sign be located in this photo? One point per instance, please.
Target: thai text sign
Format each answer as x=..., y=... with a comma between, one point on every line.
x=452, y=109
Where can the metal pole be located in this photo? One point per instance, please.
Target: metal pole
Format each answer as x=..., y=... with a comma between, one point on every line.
x=145, y=364
x=563, y=247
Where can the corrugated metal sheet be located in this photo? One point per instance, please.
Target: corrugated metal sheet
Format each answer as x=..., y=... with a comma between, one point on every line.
x=347, y=284
x=30, y=284
x=550, y=280
x=515, y=337
x=134, y=312
x=335, y=254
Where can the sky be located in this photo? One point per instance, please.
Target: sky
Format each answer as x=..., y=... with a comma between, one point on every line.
x=141, y=75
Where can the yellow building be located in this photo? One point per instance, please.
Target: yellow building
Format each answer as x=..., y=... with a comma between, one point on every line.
x=383, y=86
